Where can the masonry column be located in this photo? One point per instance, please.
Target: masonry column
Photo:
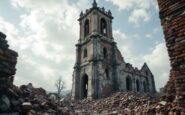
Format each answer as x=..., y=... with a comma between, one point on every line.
x=134, y=87
x=114, y=64
x=95, y=72
x=76, y=74
x=95, y=23
x=110, y=30
x=172, y=14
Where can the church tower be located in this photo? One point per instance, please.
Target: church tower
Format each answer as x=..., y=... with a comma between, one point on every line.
x=95, y=73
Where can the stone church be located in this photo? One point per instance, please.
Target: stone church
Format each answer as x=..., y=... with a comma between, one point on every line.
x=100, y=68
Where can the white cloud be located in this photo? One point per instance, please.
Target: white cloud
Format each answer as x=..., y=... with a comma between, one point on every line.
x=13, y=35
x=47, y=47
x=139, y=9
x=148, y=36
x=153, y=33
x=159, y=63
x=130, y=4
x=127, y=49
x=139, y=15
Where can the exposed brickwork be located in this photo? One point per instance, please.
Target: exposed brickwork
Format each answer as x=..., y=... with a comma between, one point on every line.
x=8, y=60
x=172, y=14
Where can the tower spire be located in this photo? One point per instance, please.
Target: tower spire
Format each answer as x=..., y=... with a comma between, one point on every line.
x=94, y=3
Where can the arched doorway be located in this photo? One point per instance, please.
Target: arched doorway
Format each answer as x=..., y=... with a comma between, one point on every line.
x=84, y=86
x=129, y=83
x=138, y=85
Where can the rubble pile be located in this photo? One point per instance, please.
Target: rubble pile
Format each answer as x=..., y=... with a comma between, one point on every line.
x=37, y=102
x=173, y=21
x=27, y=100
x=128, y=103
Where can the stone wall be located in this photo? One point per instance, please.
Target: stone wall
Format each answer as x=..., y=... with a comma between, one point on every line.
x=8, y=60
x=172, y=14
x=140, y=81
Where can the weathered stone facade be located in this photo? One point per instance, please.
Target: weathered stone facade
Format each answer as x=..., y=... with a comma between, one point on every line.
x=100, y=68
x=172, y=14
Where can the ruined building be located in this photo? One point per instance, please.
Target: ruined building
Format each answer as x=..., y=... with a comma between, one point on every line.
x=100, y=68
x=172, y=14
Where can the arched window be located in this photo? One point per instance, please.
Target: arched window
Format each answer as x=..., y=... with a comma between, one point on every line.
x=105, y=52
x=146, y=72
x=107, y=73
x=85, y=53
x=129, y=83
x=86, y=28
x=103, y=26
x=138, y=85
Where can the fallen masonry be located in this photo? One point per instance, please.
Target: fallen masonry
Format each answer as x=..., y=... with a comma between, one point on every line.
x=28, y=100
x=128, y=103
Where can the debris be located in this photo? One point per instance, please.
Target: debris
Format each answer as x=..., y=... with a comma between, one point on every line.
x=4, y=103
x=125, y=103
x=163, y=103
x=26, y=106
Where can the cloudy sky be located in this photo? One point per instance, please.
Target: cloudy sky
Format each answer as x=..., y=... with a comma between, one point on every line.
x=44, y=33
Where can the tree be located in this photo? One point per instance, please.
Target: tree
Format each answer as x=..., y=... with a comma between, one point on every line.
x=60, y=85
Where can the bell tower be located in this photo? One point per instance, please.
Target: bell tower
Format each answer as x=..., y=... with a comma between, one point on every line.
x=95, y=73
